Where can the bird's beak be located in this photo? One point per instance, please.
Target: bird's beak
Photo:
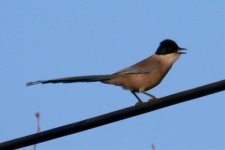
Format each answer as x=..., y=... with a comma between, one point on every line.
x=180, y=50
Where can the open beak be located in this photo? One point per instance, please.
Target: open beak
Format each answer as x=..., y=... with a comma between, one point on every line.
x=180, y=50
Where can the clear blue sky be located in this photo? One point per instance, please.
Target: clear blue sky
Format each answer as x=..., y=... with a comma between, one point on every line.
x=49, y=39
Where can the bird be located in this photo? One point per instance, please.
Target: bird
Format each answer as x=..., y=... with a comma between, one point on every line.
x=137, y=78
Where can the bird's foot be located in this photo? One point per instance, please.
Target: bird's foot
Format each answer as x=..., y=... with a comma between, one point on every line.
x=153, y=99
x=139, y=103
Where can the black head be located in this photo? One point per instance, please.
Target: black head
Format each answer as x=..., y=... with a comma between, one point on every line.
x=167, y=47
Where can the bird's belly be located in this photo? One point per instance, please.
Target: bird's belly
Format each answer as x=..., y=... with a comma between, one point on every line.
x=136, y=82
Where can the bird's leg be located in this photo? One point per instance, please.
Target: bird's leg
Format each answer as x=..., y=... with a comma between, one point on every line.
x=150, y=95
x=139, y=100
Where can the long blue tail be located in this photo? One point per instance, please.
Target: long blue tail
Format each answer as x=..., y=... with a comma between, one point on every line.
x=90, y=78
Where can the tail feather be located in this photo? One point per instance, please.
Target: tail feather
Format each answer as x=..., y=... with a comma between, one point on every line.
x=91, y=78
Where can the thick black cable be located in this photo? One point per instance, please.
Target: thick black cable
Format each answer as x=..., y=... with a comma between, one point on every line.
x=113, y=116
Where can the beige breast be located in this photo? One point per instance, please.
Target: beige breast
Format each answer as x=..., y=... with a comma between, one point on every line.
x=156, y=68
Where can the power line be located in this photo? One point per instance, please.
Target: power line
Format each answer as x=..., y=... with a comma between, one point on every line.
x=113, y=116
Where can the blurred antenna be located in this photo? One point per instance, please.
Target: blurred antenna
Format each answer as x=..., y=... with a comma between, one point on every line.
x=114, y=116
x=37, y=115
x=153, y=147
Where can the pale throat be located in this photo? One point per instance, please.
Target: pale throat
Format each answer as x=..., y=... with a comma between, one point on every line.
x=169, y=58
